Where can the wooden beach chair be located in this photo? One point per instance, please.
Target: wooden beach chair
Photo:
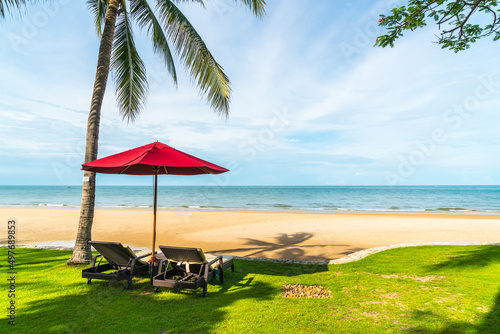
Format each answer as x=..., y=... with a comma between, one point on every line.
x=189, y=268
x=122, y=264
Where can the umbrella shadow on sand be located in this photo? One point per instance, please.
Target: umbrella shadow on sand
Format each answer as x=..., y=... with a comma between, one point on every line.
x=286, y=246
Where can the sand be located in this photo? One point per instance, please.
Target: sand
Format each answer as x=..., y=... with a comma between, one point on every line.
x=299, y=235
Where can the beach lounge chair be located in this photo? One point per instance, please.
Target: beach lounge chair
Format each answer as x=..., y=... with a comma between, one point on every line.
x=122, y=263
x=189, y=268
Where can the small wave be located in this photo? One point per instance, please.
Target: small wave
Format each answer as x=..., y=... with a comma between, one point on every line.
x=283, y=206
x=326, y=206
x=452, y=209
x=124, y=206
x=315, y=209
x=391, y=210
x=195, y=207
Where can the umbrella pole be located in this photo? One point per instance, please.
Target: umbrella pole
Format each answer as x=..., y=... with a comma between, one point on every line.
x=153, y=264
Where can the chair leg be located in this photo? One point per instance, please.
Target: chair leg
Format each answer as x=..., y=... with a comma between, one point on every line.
x=129, y=284
x=232, y=267
x=204, y=290
x=89, y=280
x=221, y=276
x=156, y=289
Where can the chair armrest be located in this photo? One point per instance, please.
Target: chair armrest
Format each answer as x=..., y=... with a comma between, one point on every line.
x=166, y=267
x=160, y=264
x=134, y=262
x=94, y=258
x=206, y=266
x=218, y=258
x=142, y=256
x=135, y=259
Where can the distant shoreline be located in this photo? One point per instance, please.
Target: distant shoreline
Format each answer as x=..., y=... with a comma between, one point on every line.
x=444, y=211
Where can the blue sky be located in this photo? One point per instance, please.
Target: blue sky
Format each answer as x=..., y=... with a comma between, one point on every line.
x=314, y=103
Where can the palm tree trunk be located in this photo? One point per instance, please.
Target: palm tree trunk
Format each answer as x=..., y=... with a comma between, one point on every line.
x=81, y=252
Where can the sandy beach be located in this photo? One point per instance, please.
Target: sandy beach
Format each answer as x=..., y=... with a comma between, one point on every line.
x=299, y=235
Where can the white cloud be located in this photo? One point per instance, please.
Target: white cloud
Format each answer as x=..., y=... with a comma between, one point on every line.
x=348, y=110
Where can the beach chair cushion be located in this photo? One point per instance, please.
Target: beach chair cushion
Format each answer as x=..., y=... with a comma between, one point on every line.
x=192, y=256
x=188, y=268
x=115, y=252
x=225, y=259
x=122, y=264
x=184, y=255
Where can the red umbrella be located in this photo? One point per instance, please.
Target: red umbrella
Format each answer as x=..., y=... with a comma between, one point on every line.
x=153, y=159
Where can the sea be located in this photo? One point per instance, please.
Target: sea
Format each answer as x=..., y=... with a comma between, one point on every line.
x=360, y=199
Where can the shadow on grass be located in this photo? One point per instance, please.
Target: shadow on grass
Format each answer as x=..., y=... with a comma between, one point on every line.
x=489, y=325
x=32, y=257
x=491, y=322
x=481, y=257
x=428, y=317
x=63, y=303
x=279, y=269
x=287, y=246
x=108, y=307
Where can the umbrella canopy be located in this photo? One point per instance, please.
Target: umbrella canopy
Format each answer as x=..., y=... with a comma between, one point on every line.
x=143, y=160
x=153, y=159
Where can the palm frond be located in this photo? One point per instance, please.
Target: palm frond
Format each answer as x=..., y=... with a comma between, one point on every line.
x=145, y=18
x=207, y=73
x=14, y=5
x=256, y=6
x=99, y=9
x=198, y=1
x=129, y=71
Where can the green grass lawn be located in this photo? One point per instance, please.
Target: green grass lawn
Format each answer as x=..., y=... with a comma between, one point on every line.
x=433, y=289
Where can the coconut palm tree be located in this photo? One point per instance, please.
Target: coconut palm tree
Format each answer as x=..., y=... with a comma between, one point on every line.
x=168, y=28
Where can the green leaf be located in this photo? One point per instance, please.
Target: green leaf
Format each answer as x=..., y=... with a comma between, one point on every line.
x=207, y=73
x=452, y=17
x=256, y=6
x=129, y=71
x=145, y=18
x=99, y=9
x=14, y=5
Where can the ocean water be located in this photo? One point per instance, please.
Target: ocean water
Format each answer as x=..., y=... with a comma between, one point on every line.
x=418, y=199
